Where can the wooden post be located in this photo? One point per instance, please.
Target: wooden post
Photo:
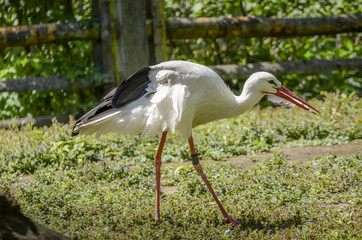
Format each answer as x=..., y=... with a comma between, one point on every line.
x=104, y=55
x=132, y=45
x=158, y=39
x=101, y=64
x=97, y=47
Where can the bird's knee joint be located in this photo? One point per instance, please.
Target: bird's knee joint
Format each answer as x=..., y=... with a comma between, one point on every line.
x=158, y=161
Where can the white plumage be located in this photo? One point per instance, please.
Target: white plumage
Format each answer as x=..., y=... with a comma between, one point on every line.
x=176, y=94
x=179, y=96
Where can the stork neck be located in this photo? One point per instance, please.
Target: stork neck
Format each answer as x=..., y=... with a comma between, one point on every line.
x=247, y=100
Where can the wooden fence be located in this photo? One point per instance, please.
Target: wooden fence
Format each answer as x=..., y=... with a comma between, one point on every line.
x=130, y=34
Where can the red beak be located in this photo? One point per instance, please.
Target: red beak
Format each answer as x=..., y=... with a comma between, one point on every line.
x=285, y=93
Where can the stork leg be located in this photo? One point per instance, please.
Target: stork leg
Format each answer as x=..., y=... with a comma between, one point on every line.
x=158, y=164
x=198, y=167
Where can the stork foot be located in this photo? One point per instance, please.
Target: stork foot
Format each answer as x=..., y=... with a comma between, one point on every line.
x=232, y=221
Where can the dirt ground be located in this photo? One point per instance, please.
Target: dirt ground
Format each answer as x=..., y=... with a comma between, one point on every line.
x=300, y=155
x=297, y=155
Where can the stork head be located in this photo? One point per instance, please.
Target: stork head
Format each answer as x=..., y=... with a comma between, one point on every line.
x=267, y=84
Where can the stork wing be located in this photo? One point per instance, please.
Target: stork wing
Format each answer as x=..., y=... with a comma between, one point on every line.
x=131, y=89
x=127, y=91
x=280, y=101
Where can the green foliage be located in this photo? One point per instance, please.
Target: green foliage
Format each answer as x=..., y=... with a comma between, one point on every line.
x=242, y=51
x=73, y=60
x=103, y=188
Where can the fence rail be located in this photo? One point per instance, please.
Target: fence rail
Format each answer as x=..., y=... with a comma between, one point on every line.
x=308, y=67
x=188, y=28
x=42, y=84
x=48, y=33
x=227, y=72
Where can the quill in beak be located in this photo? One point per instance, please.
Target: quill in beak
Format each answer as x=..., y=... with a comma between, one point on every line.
x=280, y=101
x=284, y=96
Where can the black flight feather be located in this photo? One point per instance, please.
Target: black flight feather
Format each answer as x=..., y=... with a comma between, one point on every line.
x=126, y=92
x=131, y=89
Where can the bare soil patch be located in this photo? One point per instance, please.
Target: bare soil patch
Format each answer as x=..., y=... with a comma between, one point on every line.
x=300, y=155
x=333, y=205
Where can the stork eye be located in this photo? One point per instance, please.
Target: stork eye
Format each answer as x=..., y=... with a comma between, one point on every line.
x=272, y=83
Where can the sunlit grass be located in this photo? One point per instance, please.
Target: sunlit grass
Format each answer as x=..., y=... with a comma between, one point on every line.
x=89, y=188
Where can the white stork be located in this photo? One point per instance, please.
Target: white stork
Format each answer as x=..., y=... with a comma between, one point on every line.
x=178, y=96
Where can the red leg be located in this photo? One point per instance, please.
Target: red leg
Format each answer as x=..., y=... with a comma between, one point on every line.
x=198, y=168
x=158, y=164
